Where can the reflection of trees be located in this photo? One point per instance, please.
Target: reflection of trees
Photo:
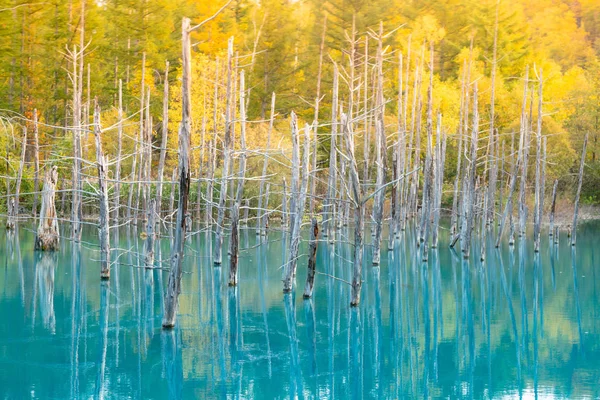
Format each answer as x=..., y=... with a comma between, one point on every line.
x=104, y=308
x=295, y=370
x=171, y=354
x=45, y=262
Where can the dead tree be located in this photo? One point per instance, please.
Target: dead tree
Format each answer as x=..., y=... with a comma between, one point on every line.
x=331, y=181
x=103, y=226
x=298, y=200
x=13, y=213
x=151, y=213
x=359, y=213
x=48, y=236
x=313, y=183
x=163, y=144
x=469, y=192
x=578, y=195
x=217, y=256
x=36, y=162
x=381, y=147
x=553, y=208
x=538, y=208
x=117, y=200
x=312, y=259
x=76, y=78
x=508, y=207
x=260, y=212
x=525, y=156
x=235, y=230
x=492, y=140
x=174, y=284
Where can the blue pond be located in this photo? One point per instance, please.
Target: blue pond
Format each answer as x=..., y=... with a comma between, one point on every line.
x=518, y=325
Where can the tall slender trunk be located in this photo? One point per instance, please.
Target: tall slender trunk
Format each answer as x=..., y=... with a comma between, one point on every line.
x=174, y=284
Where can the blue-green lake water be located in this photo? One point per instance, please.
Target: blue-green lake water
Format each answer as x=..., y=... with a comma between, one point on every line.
x=517, y=325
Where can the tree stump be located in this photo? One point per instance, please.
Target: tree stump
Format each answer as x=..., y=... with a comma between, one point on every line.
x=48, y=237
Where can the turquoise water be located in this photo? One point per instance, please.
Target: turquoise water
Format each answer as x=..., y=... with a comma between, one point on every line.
x=518, y=325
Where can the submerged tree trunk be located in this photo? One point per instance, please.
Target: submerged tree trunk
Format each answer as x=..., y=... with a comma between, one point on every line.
x=312, y=259
x=175, y=274
x=298, y=202
x=578, y=195
x=553, y=208
x=235, y=223
x=150, y=234
x=359, y=205
x=218, y=251
x=48, y=236
x=103, y=198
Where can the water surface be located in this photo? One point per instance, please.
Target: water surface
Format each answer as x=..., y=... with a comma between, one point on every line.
x=518, y=325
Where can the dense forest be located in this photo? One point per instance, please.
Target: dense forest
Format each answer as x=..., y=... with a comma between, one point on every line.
x=289, y=48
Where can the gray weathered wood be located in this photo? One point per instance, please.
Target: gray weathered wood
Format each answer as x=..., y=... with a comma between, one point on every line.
x=164, y=141
x=13, y=213
x=312, y=259
x=359, y=205
x=151, y=225
x=117, y=200
x=299, y=186
x=48, y=235
x=260, y=212
x=175, y=274
x=103, y=222
x=36, y=162
x=578, y=195
x=218, y=250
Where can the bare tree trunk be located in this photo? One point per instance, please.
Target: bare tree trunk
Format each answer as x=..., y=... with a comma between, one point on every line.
x=454, y=229
x=235, y=230
x=358, y=214
x=284, y=203
x=469, y=194
x=150, y=234
x=260, y=212
x=234, y=246
x=210, y=185
x=217, y=256
x=508, y=208
x=48, y=236
x=119, y=153
x=298, y=200
x=331, y=182
x=265, y=215
x=313, y=183
x=36, y=162
x=578, y=195
x=103, y=194
x=538, y=211
x=553, y=207
x=381, y=153
x=524, y=159
x=164, y=140
x=492, y=140
x=76, y=212
x=394, y=205
x=13, y=214
x=174, y=285
x=312, y=259
x=439, y=182
x=172, y=200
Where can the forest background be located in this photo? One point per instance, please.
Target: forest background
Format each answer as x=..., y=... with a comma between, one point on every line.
x=278, y=44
